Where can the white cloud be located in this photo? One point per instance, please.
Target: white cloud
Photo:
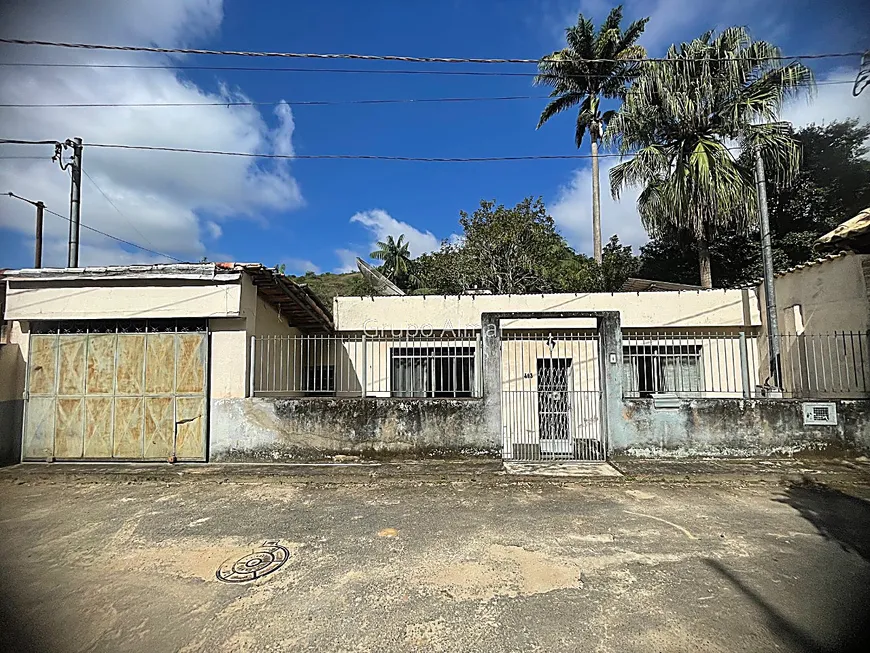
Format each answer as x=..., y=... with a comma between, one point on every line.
x=163, y=197
x=381, y=224
x=347, y=258
x=572, y=211
x=214, y=229
x=833, y=101
x=300, y=266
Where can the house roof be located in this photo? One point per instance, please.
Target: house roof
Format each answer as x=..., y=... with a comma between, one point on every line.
x=296, y=302
x=853, y=234
x=649, y=285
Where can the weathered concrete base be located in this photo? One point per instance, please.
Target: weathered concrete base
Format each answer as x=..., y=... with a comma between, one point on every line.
x=262, y=430
x=737, y=428
x=11, y=417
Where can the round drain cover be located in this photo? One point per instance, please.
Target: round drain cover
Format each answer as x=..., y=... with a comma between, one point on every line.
x=261, y=561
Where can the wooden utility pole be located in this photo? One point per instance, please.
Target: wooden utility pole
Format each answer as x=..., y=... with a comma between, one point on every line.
x=40, y=213
x=37, y=256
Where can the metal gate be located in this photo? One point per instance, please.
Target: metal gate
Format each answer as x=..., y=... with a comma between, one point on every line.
x=117, y=390
x=551, y=396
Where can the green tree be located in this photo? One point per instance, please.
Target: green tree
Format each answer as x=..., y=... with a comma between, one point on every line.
x=507, y=250
x=832, y=186
x=396, y=257
x=680, y=118
x=578, y=82
x=619, y=263
x=443, y=271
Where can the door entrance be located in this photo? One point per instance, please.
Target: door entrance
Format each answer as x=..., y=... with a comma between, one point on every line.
x=551, y=396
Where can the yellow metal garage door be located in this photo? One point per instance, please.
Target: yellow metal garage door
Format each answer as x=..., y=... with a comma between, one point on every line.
x=125, y=390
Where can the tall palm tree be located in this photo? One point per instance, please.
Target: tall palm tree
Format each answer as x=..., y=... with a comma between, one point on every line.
x=686, y=119
x=396, y=257
x=578, y=81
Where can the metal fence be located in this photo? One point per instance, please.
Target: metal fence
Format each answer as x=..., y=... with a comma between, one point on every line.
x=820, y=365
x=685, y=363
x=691, y=363
x=357, y=365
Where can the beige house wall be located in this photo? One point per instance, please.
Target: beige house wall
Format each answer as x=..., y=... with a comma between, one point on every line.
x=832, y=296
x=701, y=309
x=823, y=311
x=40, y=300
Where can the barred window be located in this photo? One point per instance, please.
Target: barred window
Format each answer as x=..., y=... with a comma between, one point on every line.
x=649, y=370
x=432, y=371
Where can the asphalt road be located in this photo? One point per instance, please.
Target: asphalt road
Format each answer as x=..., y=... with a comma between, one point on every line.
x=446, y=566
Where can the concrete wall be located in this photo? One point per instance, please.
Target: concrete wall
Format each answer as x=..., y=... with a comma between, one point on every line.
x=704, y=309
x=736, y=427
x=275, y=430
x=13, y=359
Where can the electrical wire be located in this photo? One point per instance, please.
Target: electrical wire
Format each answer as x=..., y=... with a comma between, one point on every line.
x=115, y=206
x=103, y=233
x=294, y=103
x=231, y=103
x=120, y=240
x=364, y=57
x=365, y=71
x=364, y=157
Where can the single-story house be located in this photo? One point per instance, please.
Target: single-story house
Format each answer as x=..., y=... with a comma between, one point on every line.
x=235, y=362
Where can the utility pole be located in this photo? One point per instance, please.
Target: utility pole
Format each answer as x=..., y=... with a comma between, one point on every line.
x=40, y=213
x=767, y=262
x=37, y=255
x=75, y=202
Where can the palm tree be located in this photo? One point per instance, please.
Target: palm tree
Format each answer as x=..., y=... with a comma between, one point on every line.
x=686, y=118
x=396, y=257
x=578, y=81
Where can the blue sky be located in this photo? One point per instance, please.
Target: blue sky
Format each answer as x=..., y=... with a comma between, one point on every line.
x=319, y=214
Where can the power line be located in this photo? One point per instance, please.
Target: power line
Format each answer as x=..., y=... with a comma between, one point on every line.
x=293, y=103
x=366, y=57
x=276, y=102
x=120, y=240
x=114, y=206
x=363, y=157
x=374, y=157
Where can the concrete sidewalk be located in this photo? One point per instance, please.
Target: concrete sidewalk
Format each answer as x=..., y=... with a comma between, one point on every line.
x=483, y=471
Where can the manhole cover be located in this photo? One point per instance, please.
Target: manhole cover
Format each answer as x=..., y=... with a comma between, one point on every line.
x=261, y=561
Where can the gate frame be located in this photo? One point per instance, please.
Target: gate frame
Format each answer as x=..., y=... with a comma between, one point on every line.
x=608, y=325
x=206, y=399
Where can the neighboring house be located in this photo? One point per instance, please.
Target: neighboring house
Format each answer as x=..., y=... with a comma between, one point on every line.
x=122, y=362
x=823, y=314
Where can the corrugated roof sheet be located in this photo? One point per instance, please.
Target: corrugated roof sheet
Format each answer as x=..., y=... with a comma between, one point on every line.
x=853, y=234
x=652, y=285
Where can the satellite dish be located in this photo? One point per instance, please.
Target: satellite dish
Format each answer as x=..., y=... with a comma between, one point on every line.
x=379, y=283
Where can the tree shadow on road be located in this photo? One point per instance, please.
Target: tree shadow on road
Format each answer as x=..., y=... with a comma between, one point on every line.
x=844, y=520
x=837, y=516
x=790, y=633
